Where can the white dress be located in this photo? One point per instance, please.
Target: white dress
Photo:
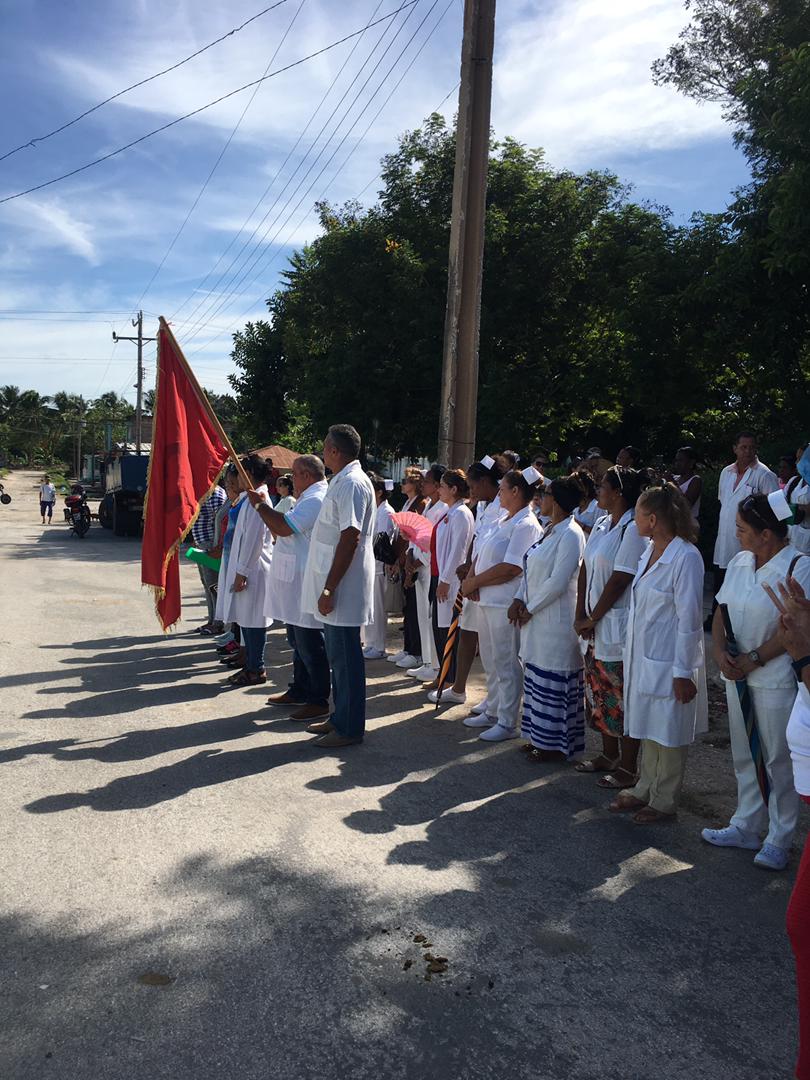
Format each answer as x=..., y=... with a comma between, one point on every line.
x=251, y=555
x=664, y=642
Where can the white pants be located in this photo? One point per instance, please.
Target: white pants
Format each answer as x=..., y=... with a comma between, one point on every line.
x=772, y=710
x=423, y=613
x=374, y=633
x=498, y=643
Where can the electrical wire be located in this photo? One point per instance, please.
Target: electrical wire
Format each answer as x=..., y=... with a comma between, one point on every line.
x=202, y=108
x=41, y=138
x=205, y=299
x=222, y=153
x=279, y=171
x=218, y=306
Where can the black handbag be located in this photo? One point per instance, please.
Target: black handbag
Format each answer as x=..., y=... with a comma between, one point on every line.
x=384, y=550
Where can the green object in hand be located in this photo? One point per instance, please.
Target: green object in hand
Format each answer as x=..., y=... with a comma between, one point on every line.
x=203, y=558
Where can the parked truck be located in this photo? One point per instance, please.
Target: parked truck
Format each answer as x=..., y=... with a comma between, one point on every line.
x=121, y=506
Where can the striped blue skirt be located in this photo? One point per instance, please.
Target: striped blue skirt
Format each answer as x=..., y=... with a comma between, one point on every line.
x=554, y=710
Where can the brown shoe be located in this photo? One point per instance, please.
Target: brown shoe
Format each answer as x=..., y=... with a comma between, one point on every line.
x=322, y=727
x=311, y=712
x=333, y=740
x=283, y=699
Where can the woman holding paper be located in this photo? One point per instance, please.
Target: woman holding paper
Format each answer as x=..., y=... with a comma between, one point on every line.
x=766, y=558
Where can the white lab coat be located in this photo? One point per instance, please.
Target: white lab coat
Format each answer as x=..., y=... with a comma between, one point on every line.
x=800, y=534
x=452, y=540
x=290, y=559
x=664, y=642
x=374, y=632
x=251, y=554
x=756, y=480
x=549, y=590
x=434, y=512
x=609, y=548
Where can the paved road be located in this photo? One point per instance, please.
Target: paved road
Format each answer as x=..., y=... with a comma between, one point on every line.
x=155, y=825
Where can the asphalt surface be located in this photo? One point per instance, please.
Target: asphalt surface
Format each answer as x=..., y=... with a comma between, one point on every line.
x=190, y=890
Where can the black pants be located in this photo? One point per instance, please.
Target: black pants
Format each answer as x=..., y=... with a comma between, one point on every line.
x=718, y=576
x=440, y=634
x=410, y=625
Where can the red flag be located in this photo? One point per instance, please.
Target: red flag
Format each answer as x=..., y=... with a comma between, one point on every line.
x=188, y=453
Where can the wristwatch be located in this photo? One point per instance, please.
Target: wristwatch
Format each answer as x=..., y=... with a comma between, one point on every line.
x=326, y=592
x=797, y=665
x=755, y=658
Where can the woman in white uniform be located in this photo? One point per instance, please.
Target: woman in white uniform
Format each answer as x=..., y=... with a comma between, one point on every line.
x=492, y=584
x=374, y=633
x=284, y=486
x=544, y=609
x=452, y=538
x=410, y=655
x=766, y=558
x=434, y=511
x=797, y=493
x=244, y=589
x=587, y=513
x=665, y=698
x=612, y=555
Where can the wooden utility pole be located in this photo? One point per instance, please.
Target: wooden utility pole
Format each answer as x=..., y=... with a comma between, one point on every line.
x=139, y=340
x=459, y=404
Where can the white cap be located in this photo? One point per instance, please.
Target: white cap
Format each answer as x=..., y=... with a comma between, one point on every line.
x=389, y=485
x=487, y=461
x=531, y=475
x=780, y=506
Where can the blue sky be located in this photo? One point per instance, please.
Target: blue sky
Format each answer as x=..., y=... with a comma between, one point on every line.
x=571, y=77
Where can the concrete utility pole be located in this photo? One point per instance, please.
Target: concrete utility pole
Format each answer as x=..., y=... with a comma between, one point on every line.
x=139, y=340
x=459, y=404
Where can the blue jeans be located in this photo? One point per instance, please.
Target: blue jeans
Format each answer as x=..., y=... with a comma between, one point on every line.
x=348, y=679
x=310, y=684
x=254, y=638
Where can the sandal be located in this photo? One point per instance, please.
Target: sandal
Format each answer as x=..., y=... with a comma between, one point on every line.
x=594, y=766
x=649, y=816
x=614, y=780
x=247, y=678
x=623, y=803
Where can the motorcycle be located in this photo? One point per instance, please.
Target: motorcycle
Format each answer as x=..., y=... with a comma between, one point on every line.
x=77, y=513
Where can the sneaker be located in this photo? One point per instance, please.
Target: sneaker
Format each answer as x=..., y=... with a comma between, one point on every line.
x=498, y=733
x=481, y=708
x=425, y=673
x=408, y=661
x=373, y=654
x=731, y=836
x=771, y=857
x=396, y=657
x=449, y=697
x=227, y=650
x=474, y=720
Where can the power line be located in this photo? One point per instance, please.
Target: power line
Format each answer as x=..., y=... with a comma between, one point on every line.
x=60, y=311
x=206, y=298
x=215, y=309
x=143, y=82
x=222, y=153
x=202, y=108
x=278, y=173
x=236, y=282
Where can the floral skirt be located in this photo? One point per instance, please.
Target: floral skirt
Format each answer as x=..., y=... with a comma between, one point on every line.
x=604, y=694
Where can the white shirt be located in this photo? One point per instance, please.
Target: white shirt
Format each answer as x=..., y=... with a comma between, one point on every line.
x=756, y=480
x=349, y=504
x=754, y=618
x=548, y=588
x=508, y=542
x=799, y=495
x=798, y=737
x=588, y=517
x=251, y=554
x=611, y=547
x=665, y=642
x=47, y=493
x=383, y=523
x=487, y=518
x=290, y=560
x=453, y=535
x=283, y=506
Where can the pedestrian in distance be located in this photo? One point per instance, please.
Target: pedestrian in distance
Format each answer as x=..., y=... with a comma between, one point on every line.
x=47, y=499
x=338, y=583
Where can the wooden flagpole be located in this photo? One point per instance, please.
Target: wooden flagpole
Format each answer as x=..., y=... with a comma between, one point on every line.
x=206, y=404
